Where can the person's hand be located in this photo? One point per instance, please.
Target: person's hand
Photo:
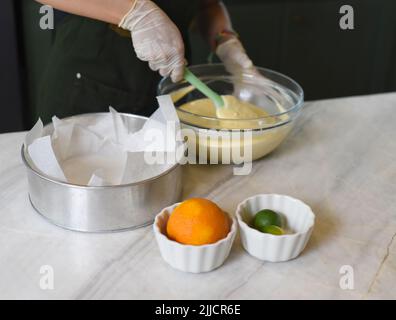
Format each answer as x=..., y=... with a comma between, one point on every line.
x=232, y=53
x=155, y=38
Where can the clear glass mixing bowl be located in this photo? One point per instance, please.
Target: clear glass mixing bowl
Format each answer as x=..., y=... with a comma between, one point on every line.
x=278, y=95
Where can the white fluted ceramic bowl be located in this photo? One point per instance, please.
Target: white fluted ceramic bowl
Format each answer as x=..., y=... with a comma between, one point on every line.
x=189, y=258
x=298, y=221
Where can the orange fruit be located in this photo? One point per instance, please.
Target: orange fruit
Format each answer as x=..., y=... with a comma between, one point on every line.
x=197, y=221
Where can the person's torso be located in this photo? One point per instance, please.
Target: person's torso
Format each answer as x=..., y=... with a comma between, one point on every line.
x=93, y=65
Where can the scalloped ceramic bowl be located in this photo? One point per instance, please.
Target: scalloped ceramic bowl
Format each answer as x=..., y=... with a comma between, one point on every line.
x=298, y=222
x=188, y=258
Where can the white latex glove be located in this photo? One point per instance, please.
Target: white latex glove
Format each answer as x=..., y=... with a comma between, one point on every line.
x=233, y=55
x=155, y=38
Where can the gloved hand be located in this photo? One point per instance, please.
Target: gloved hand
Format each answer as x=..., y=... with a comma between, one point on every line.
x=232, y=53
x=155, y=38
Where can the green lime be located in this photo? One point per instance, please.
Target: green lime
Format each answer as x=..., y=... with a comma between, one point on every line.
x=275, y=230
x=266, y=217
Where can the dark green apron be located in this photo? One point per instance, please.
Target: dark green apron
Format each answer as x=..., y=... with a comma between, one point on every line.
x=93, y=66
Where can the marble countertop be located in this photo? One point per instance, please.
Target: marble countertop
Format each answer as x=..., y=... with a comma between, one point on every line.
x=340, y=159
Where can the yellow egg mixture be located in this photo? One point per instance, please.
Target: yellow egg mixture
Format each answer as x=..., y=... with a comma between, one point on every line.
x=233, y=109
x=235, y=114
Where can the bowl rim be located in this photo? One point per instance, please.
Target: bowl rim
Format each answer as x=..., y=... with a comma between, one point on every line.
x=297, y=106
x=244, y=226
x=204, y=129
x=50, y=179
x=157, y=231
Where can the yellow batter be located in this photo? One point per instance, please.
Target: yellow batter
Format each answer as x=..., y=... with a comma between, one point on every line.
x=235, y=114
x=233, y=109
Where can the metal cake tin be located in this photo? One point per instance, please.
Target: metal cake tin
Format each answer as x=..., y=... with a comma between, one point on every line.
x=104, y=208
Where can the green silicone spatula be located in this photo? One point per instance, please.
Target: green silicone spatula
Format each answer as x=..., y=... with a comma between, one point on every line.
x=202, y=87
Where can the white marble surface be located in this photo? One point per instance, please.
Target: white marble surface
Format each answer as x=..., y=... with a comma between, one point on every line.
x=341, y=160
